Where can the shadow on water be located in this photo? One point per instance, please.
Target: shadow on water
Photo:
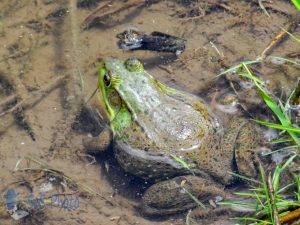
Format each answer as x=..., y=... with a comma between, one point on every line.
x=123, y=183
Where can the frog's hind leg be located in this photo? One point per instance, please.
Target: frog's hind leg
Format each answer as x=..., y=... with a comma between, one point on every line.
x=246, y=151
x=179, y=194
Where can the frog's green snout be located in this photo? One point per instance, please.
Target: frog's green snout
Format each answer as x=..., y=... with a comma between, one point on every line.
x=134, y=65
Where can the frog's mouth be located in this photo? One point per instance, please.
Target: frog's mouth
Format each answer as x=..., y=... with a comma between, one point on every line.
x=103, y=85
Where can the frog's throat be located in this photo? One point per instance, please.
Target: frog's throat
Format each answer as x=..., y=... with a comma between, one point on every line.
x=122, y=120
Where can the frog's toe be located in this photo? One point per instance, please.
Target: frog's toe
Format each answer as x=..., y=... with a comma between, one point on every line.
x=177, y=195
x=94, y=145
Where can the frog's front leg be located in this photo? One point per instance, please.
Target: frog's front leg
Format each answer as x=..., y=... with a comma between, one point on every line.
x=94, y=145
x=175, y=195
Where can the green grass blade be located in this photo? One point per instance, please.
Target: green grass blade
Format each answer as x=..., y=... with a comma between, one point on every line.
x=282, y=140
x=273, y=106
x=296, y=39
x=233, y=69
x=244, y=177
x=281, y=149
x=200, y=204
x=278, y=126
x=238, y=203
x=261, y=5
x=296, y=4
x=252, y=219
x=286, y=187
x=243, y=74
x=289, y=161
x=247, y=194
x=276, y=177
x=286, y=60
x=92, y=95
x=183, y=163
x=280, y=115
x=266, y=192
x=298, y=187
x=259, y=201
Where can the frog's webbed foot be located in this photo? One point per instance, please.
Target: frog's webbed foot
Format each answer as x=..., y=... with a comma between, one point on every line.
x=94, y=145
x=177, y=194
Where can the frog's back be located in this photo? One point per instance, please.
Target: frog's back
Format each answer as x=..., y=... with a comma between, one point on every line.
x=170, y=119
x=166, y=122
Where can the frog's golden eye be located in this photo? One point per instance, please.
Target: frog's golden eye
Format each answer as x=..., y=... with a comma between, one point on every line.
x=106, y=79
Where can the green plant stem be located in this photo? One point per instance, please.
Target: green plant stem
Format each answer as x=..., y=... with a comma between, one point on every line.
x=272, y=195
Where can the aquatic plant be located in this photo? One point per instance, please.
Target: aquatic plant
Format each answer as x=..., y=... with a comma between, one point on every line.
x=271, y=206
x=278, y=108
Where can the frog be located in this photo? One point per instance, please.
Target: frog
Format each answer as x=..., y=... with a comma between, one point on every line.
x=171, y=138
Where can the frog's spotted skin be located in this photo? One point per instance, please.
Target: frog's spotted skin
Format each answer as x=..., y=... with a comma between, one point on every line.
x=152, y=123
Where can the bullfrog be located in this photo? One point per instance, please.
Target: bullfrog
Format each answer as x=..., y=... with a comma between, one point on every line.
x=171, y=138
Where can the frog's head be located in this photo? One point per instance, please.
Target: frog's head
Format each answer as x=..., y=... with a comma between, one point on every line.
x=117, y=82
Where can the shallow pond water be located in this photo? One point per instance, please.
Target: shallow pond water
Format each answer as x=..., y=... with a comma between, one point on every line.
x=49, y=55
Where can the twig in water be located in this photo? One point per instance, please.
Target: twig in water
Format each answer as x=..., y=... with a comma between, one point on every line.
x=290, y=216
x=279, y=37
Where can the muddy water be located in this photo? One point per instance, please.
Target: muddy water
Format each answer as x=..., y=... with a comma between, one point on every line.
x=49, y=53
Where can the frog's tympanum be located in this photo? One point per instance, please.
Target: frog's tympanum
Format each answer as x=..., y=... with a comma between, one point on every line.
x=172, y=138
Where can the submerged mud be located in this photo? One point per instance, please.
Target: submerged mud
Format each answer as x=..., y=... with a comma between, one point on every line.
x=49, y=55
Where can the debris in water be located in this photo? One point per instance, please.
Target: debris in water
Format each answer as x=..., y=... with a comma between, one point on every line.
x=19, y=214
x=45, y=187
x=157, y=41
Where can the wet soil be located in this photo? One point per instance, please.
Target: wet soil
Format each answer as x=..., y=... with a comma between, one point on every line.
x=49, y=53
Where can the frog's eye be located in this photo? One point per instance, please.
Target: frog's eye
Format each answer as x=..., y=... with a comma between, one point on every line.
x=134, y=65
x=106, y=79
